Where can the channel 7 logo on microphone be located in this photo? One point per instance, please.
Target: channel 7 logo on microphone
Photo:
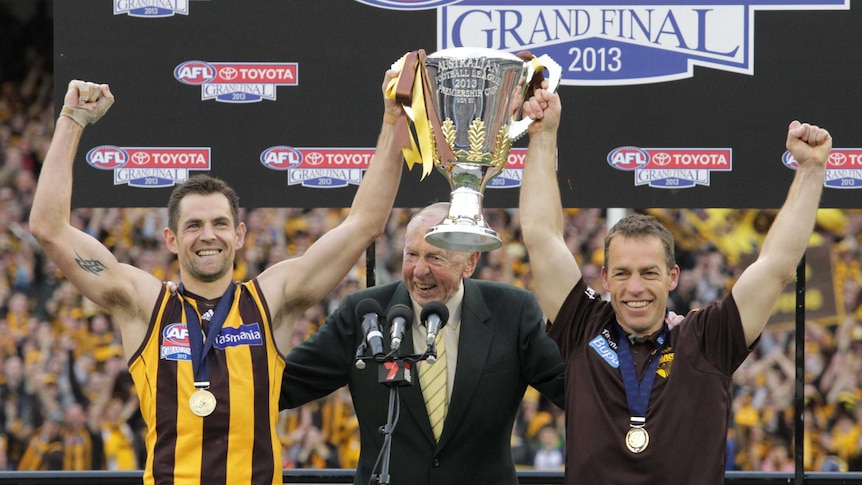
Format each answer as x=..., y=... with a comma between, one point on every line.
x=395, y=372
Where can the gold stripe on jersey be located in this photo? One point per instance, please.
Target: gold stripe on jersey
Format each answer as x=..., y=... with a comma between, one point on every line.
x=245, y=377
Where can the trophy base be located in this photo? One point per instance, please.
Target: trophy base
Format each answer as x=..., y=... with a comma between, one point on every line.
x=468, y=238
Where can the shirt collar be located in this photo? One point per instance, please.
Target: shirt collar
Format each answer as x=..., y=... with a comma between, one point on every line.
x=649, y=339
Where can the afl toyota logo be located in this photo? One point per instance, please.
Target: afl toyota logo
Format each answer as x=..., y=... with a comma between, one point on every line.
x=314, y=159
x=843, y=168
x=671, y=168
x=661, y=159
x=107, y=157
x=837, y=159
x=238, y=82
x=140, y=158
x=280, y=157
x=194, y=72
x=628, y=158
x=228, y=73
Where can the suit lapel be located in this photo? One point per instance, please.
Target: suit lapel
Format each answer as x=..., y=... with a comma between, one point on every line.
x=474, y=344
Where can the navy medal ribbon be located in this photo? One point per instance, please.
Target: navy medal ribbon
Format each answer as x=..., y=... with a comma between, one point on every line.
x=638, y=392
x=199, y=348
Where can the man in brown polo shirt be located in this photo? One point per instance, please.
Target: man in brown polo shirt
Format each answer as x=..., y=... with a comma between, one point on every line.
x=646, y=404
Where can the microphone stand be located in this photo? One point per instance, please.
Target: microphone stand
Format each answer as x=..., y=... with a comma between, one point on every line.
x=394, y=375
x=387, y=430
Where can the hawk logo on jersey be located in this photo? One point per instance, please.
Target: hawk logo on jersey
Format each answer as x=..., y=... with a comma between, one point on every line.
x=665, y=362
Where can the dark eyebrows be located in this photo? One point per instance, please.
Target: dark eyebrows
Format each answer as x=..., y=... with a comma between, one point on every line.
x=643, y=269
x=198, y=220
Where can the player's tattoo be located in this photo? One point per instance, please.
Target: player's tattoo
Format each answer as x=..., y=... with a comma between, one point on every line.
x=92, y=265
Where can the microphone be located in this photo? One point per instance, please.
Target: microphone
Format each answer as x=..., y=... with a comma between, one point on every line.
x=368, y=310
x=435, y=315
x=401, y=318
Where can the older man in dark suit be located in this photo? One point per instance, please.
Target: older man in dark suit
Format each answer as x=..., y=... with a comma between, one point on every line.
x=495, y=344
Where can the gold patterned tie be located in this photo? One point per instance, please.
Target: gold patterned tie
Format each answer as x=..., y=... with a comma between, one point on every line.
x=432, y=378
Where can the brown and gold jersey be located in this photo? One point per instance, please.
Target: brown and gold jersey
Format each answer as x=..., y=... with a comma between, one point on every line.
x=237, y=442
x=689, y=402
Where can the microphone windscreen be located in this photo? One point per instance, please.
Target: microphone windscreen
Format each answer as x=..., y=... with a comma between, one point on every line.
x=435, y=307
x=366, y=306
x=400, y=310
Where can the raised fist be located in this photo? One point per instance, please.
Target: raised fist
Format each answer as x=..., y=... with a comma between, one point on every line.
x=86, y=102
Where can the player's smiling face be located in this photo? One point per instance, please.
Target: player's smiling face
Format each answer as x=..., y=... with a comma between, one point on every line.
x=638, y=280
x=207, y=237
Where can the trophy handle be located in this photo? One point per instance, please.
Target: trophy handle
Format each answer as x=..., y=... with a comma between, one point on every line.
x=555, y=72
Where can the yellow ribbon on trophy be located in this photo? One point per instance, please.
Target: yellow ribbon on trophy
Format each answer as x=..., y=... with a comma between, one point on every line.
x=409, y=87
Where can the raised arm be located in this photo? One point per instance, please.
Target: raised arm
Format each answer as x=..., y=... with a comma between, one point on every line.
x=760, y=284
x=555, y=270
x=120, y=288
x=293, y=285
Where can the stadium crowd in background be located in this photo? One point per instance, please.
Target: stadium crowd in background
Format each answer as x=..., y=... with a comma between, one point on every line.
x=66, y=399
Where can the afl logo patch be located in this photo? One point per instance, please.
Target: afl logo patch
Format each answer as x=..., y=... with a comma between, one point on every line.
x=175, y=343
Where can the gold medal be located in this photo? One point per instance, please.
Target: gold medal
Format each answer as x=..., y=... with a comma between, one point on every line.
x=637, y=439
x=202, y=402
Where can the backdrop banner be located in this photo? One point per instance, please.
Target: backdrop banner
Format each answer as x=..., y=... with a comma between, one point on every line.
x=669, y=104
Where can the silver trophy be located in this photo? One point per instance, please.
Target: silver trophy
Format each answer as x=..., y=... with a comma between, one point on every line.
x=476, y=95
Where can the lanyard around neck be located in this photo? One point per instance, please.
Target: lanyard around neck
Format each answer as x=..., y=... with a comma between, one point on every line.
x=199, y=348
x=638, y=392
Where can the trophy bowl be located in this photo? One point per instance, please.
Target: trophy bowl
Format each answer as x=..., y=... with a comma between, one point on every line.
x=477, y=95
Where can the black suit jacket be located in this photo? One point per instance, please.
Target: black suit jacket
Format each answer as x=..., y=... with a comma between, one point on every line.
x=502, y=348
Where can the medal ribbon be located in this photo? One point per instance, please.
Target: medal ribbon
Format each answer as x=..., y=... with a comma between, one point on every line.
x=199, y=348
x=638, y=393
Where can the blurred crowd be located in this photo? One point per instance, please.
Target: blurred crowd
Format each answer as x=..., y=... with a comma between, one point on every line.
x=66, y=398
